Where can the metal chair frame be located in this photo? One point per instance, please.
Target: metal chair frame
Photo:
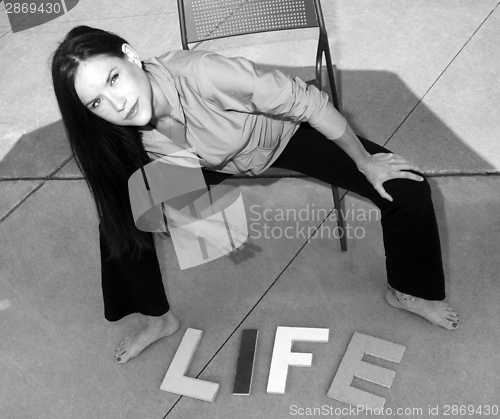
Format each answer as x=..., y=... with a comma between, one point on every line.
x=190, y=33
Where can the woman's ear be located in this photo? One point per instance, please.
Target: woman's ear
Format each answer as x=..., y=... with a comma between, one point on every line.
x=131, y=55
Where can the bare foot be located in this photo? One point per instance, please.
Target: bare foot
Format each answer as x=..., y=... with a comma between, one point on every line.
x=156, y=328
x=437, y=312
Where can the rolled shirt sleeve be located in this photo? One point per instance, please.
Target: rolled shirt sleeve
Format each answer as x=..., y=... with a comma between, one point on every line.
x=234, y=84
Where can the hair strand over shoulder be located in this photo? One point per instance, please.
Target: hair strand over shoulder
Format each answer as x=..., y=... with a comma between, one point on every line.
x=107, y=154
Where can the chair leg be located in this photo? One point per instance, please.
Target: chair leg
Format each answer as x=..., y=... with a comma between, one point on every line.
x=340, y=218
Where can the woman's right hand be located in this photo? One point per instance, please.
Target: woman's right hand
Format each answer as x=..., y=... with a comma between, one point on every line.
x=216, y=234
x=381, y=167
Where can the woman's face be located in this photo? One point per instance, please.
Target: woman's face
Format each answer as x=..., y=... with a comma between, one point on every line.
x=116, y=89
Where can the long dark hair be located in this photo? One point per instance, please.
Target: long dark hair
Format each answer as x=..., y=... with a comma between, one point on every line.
x=107, y=154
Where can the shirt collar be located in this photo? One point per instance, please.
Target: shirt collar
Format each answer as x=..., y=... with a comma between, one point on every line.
x=166, y=82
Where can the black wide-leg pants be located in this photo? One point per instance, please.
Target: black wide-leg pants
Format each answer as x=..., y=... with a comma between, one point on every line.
x=410, y=232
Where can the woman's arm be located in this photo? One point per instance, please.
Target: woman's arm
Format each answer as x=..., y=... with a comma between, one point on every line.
x=377, y=168
x=346, y=140
x=235, y=84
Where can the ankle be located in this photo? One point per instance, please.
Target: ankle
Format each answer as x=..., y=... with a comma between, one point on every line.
x=155, y=321
x=401, y=297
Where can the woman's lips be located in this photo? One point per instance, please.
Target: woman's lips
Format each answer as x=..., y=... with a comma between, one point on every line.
x=133, y=111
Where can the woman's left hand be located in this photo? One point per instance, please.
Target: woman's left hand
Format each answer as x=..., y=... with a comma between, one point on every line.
x=385, y=166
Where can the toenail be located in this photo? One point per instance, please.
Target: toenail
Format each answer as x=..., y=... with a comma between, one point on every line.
x=455, y=325
x=118, y=359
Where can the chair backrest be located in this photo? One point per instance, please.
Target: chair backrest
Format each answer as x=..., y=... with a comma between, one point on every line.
x=201, y=20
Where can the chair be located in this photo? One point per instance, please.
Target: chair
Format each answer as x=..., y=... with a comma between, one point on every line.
x=202, y=20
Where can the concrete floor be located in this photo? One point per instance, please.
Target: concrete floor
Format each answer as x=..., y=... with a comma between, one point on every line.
x=419, y=76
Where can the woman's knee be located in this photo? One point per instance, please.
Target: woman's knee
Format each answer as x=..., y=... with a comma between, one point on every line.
x=409, y=192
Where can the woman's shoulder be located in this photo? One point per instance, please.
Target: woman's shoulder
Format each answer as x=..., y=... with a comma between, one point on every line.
x=179, y=62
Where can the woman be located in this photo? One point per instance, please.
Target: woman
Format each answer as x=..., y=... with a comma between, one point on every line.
x=120, y=113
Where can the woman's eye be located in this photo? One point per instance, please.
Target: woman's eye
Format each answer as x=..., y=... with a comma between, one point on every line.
x=113, y=79
x=96, y=103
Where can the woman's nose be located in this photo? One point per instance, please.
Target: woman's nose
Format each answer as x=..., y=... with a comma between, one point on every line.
x=118, y=102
